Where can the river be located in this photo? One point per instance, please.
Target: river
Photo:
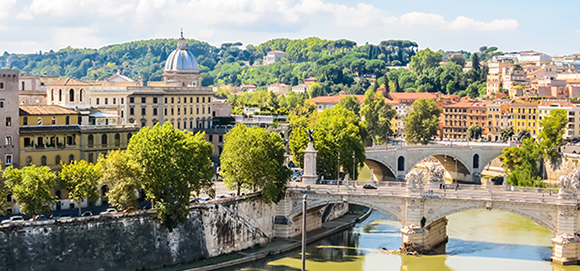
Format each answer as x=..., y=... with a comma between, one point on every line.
x=478, y=240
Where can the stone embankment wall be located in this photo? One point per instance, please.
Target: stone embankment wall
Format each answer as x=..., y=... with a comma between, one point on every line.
x=135, y=241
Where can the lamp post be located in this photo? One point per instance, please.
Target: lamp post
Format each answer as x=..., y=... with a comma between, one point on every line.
x=304, y=233
x=338, y=170
x=353, y=166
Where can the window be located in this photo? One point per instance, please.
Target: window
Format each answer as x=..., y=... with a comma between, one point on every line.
x=98, y=101
x=8, y=121
x=197, y=100
x=91, y=158
x=401, y=163
x=23, y=85
x=142, y=111
x=203, y=110
x=131, y=100
x=122, y=100
x=106, y=100
x=203, y=99
x=154, y=111
x=60, y=95
x=129, y=135
x=8, y=159
x=131, y=111
x=178, y=125
x=155, y=100
x=114, y=100
x=198, y=110
x=210, y=138
x=165, y=99
x=28, y=160
x=25, y=121
x=91, y=140
x=1, y=103
x=117, y=140
x=43, y=160
x=166, y=111
x=57, y=160
x=122, y=114
x=71, y=95
x=70, y=140
x=143, y=124
x=80, y=95
x=178, y=100
x=184, y=124
x=172, y=111
x=27, y=142
x=104, y=140
x=220, y=138
x=71, y=158
x=190, y=100
x=53, y=122
x=67, y=120
x=172, y=100
x=178, y=111
x=8, y=140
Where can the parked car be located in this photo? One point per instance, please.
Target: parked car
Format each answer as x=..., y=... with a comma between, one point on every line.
x=231, y=194
x=39, y=217
x=220, y=197
x=193, y=200
x=13, y=219
x=109, y=211
x=87, y=213
x=369, y=186
x=130, y=209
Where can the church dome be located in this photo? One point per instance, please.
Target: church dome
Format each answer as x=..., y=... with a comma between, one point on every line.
x=181, y=59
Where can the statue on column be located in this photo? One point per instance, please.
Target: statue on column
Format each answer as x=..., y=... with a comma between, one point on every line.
x=570, y=183
x=436, y=173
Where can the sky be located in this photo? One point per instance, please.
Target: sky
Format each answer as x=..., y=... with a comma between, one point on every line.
x=551, y=27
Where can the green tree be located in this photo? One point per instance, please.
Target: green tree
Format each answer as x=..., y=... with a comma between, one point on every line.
x=424, y=60
x=521, y=164
x=253, y=158
x=4, y=192
x=377, y=117
x=475, y=62
x=551, y=136
x=350, y=102
x=119, y=173
x=422, y=123
x=172, y=164
x=450, y=88
x=80, y=179
x=316, y=90
x=474, y=131
x=524, y=134
x=32, y=188
x=507, y=133
x=336, y=130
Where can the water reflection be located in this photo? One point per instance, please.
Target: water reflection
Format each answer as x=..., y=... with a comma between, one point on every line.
x=478, y=240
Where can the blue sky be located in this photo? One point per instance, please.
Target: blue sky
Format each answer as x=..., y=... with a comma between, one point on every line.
x=546, y=26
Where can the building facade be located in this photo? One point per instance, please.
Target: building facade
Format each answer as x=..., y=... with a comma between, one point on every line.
x=525, y=116
x=9, y=133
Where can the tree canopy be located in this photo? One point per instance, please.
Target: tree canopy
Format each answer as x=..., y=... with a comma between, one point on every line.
x=32, y=188
x=422, y=123
x=253, y=158
x=377, y=117
x=173, y=164
x=120, y=174
x=80, y=179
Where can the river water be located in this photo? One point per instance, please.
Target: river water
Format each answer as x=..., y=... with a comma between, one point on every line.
x=478, y=240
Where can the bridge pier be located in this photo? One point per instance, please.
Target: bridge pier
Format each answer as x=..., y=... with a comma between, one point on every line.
x=424, y=240
x=566, y=243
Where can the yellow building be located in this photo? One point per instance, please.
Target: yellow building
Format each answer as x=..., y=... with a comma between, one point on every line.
x=525, y=116
x=49, y=134
x=498, y=116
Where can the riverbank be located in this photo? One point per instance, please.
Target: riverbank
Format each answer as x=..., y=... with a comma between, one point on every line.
x=277, y=245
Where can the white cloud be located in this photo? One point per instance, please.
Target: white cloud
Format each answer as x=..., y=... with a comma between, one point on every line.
x=24, y=16
x=578, y=31
x=6, y=6
x=76, y=37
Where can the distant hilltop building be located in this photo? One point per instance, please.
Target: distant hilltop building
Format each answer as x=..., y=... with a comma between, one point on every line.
x=273, y=56
x=181, y=67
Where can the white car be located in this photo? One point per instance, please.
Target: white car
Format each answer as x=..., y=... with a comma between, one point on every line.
x=108, y=211
x=13, y=219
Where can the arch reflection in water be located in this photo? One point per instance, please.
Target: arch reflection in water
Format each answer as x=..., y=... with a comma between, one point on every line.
x=478, y=240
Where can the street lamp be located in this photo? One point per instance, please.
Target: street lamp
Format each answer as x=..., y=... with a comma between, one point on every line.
x=304, y=233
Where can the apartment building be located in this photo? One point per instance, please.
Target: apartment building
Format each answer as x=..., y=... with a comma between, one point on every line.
x=525, y=116
x=10, y=150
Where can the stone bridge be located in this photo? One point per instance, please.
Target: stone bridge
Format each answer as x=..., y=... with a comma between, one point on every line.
x=423, y=214
x=463, y=162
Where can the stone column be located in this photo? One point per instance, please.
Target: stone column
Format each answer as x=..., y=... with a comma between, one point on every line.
x=310, y=176
x=566, y=243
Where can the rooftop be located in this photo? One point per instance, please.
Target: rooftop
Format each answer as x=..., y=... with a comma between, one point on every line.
x=45, y=110
x=67, y=82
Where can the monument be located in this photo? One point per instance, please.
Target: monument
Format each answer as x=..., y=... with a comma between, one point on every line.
x=310, y=176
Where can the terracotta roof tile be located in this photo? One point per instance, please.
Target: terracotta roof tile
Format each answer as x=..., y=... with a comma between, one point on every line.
x=67, y=82
x=45, y=110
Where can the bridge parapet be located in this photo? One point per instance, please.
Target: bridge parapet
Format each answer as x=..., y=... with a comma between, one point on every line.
x=422, y=211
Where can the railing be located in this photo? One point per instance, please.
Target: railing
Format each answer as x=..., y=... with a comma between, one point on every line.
x=462, y=192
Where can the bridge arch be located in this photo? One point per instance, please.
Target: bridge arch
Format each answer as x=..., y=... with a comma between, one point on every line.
x=392, y=210
x=383, y=171
x=510, y=209
x=448, y=160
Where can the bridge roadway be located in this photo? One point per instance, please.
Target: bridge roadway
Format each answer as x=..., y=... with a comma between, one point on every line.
x=462, y=160
x=422, y=210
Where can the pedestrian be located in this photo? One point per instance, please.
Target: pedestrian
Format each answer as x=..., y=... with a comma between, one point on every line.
x=456, y=186
x=440, y=186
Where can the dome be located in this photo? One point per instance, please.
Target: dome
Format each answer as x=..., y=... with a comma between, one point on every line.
x=181, y=59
